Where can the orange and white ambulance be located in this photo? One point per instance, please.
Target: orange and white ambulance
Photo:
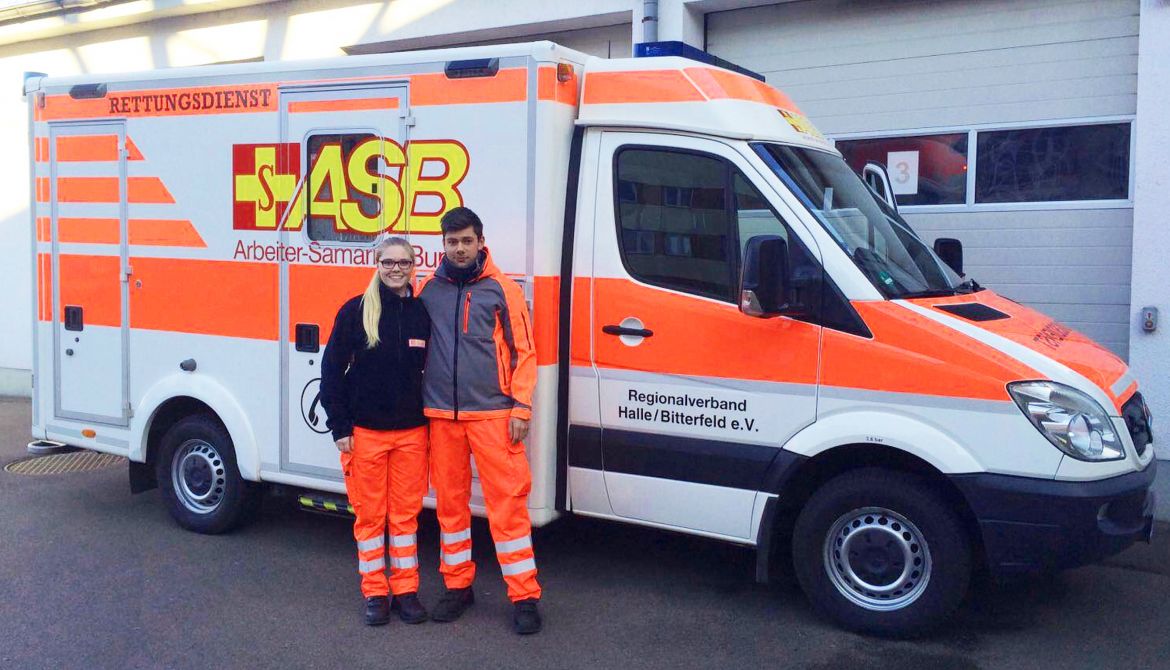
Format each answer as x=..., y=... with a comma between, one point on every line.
x=736, y=337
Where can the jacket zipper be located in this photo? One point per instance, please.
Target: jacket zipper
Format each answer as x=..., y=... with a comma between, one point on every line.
x=466, y=311
x=455, y=361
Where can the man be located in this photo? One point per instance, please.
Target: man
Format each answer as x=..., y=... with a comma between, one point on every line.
x=477, y=391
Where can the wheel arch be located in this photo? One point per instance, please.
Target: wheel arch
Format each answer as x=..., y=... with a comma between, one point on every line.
x=802, y=477
x=181, y=395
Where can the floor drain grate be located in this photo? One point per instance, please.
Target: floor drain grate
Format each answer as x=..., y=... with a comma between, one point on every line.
x=59, y=464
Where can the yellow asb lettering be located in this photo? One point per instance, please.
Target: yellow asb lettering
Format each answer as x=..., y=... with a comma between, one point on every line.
x=422, y=157
x=360, y=193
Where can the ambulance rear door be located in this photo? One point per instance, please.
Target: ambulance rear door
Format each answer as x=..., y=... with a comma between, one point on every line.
x=696, y=397
x=88, y=199
x=345, y=146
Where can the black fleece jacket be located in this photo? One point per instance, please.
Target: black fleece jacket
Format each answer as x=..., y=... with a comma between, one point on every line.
x=379, y=388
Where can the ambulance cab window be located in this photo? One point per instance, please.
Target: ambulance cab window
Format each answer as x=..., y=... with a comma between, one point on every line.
x=324, y=221
x=673, y=220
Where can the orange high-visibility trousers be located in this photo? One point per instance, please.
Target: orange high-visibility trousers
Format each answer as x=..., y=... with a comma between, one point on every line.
x=505, y=479
x=386, y=478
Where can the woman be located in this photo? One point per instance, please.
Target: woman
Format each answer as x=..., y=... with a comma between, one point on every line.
x=371, y=389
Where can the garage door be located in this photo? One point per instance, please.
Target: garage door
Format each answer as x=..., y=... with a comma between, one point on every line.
x=1010, y=120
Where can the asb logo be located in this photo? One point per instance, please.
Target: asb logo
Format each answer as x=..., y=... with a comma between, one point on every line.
x=364, y=188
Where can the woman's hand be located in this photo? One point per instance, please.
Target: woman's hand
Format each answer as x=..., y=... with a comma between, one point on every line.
x=345, y=444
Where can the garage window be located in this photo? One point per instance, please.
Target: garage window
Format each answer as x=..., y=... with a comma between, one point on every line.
x=1053, y=164
x=1056, y=164
x=924, y=169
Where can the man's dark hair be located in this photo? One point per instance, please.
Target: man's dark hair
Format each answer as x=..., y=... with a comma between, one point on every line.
x=460, y=218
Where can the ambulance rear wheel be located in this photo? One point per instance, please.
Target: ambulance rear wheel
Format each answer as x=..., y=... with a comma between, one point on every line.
x=880, y=552
x=198, y=477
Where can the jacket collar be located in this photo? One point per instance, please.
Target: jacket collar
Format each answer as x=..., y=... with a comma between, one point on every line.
x=486, y=267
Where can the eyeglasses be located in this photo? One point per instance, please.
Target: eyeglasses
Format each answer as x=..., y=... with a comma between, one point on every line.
x=388, y=263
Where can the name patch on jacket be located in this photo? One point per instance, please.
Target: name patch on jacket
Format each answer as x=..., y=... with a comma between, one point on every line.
x=421, y=344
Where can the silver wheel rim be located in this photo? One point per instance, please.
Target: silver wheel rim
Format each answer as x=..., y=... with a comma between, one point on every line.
x=198, y=475
x=877, y=559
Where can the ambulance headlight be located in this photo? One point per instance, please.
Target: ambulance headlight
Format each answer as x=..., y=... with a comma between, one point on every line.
x=1071, y=420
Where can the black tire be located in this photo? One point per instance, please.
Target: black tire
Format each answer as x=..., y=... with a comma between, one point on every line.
x=200, y=482
x=881, y=552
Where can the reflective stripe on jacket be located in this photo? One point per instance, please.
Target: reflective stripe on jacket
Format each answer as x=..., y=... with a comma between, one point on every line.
x=481, y=363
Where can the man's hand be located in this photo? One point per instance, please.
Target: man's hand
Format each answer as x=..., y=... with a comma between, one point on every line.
x=517, y=429
x=345, y=444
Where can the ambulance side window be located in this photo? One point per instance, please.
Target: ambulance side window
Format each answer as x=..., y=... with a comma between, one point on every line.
x=674, y=220
x=323, y=222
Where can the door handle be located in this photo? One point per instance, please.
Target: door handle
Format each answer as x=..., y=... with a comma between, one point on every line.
x=308, y=338
x=622, y=330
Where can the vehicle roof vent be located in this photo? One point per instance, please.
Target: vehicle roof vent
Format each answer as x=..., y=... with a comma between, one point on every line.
x=684, y=50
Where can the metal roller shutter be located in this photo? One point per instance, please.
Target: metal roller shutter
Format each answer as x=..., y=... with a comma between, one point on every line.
x=892, y=66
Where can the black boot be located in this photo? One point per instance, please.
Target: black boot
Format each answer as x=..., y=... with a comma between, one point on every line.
x=452, y=605
x=377, y=610
x=409, y=609
x=526, y=617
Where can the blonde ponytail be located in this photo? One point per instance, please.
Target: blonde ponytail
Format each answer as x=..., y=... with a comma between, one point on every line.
x=372, y=298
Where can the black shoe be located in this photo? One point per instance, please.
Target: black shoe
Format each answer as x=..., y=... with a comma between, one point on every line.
x=409, y=609
x=452, y=605
x=526, y=617
x=377, y=610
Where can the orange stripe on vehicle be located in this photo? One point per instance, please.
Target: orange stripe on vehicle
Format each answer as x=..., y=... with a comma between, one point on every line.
x=41, y=149
x=720, y=84
x=639, y=86
x=699, y=337
x=231, y=99
x=317, y=292
x=44, y=287
x=910, y=353
x=352, y=105
x=42, y=189
x=546, y=310
x=226, y=298
x=78, y=148
x=94, y=284
x=509, y=85
x=132, y=149
x=165, y=233
x=88, y=231
x=144, y=232
x=580, y=348
x=147, y=190
x=44, y=229
x=548, y=89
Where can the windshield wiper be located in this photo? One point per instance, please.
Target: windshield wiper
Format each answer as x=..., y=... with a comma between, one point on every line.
x=969, y=286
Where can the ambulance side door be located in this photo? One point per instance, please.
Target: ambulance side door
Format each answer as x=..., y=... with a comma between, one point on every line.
x=696, y=398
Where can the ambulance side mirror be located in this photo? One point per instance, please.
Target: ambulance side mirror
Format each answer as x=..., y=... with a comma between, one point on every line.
x=950, y=251
x=763, y=284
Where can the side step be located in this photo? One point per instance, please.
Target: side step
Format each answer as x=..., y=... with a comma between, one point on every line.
x=324, y=503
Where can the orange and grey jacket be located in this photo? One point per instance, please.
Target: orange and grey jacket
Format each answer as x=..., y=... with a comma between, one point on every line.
x=481, y=362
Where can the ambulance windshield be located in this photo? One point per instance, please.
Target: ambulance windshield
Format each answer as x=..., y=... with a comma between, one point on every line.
x=878, y=240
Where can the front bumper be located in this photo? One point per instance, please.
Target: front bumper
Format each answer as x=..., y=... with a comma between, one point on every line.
x=1041, y=525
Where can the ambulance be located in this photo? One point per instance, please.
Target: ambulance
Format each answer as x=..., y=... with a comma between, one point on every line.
x=737, y=337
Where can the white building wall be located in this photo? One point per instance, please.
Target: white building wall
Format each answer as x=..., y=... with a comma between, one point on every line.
x=1150, y=352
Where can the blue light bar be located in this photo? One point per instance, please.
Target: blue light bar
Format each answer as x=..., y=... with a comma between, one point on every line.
x=684, y=50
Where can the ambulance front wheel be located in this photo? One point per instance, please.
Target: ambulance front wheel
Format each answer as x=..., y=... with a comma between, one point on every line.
x=880, y=552
x=198, y=477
